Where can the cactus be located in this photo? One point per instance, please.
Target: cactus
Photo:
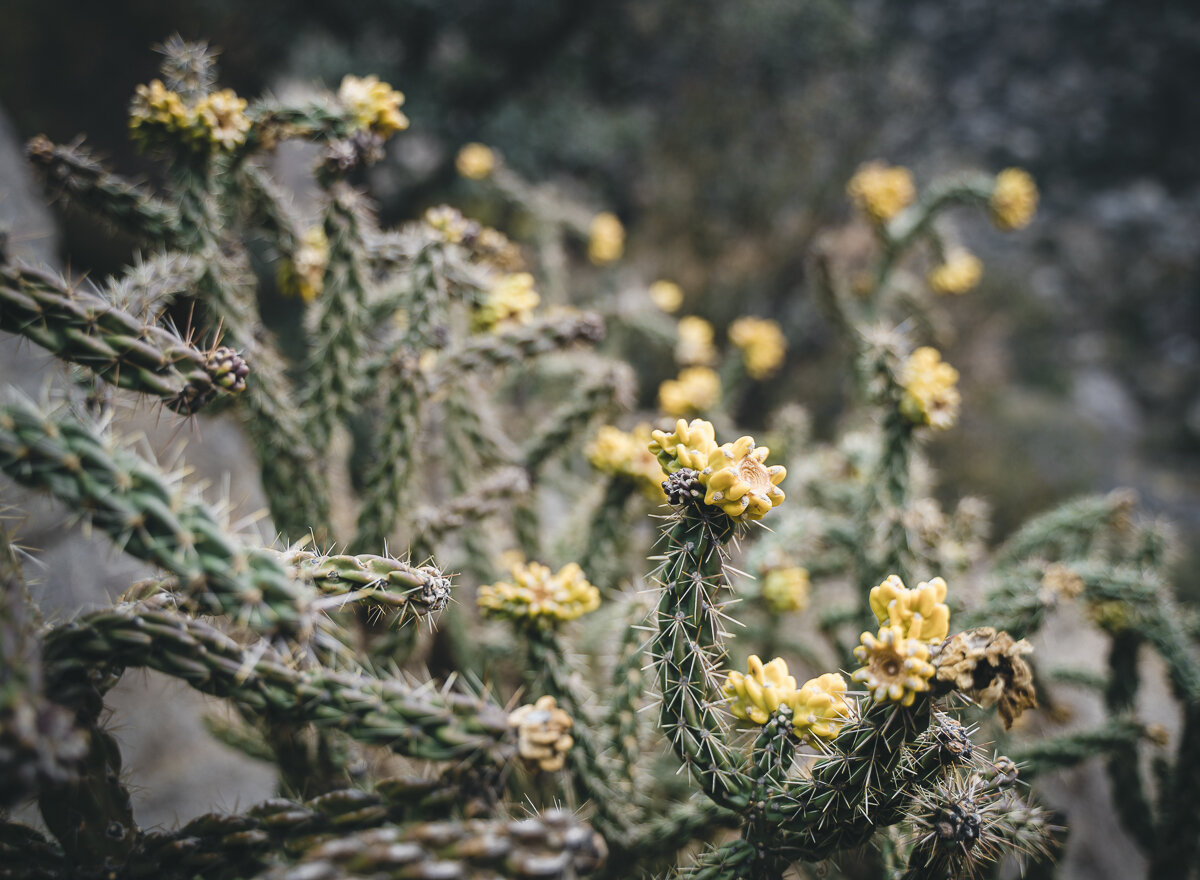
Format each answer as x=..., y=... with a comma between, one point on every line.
x=429, y=407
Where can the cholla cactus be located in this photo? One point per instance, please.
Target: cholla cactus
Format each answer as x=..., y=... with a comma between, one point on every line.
x=405, y=333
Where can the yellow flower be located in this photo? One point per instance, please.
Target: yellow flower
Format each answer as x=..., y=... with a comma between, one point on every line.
x=688, y=446
x=881, y=191
x=896, y=668
x=695, y=344
x=511, y=300
x=1014, y=199
x=920, y=613
x=959, y=273
x=762, y=345
x=156, y=110
x=606, y=239
x=537, y=595
x=737, y=480
x=449, y=222
x=786, y=589
x=755, y=696
x=222, y=117
x=617, y=452
x=930, y=397
x=475, y=161
x=696, y=390
x=304, y=276
x=667, y=295
x=819, y=707
x=373, y=104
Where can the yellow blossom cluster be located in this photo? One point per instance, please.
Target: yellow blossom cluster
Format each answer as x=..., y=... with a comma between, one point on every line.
x=667, y=295
x=627, y=454
x=159, y=116
x=881, y=191
x=695, y=343
x=930, y=397
x=475, y=161
x=738, y=481
x=688, y=446
x=606, y=239
x=921, y=613
x=1014, y=199
x=304, y=274
x=786, y=589
x=374, y=105
x=762, y=344
x=695, y=390
x=818, y=708
x=510, y=301
x=894, y=667
x=958, y=273
x=536, y=594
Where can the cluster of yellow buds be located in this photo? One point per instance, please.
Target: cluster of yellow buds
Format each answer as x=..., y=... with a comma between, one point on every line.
x=1014, y=199
x=695, y=390
x=739, y=482
x=627, y=454
x=475, y=161
x=667, y=295
x=304, y=274
x=535, y=594
x=762, y=344
x=818, y=708
x=450, y=222
x=896, y=661
x=881, y=191
x=959, y=273
x=606, y=239
x=694, y=345
x=921, y=613
x=542, y=729
x=930, y=397
x=510, y=301
x=786, y=589
x=374, y=105
x=159, y=116
x=688, y=446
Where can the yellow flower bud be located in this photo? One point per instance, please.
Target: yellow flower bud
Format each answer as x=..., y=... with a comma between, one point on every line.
x=475, y=161
x=738, y=481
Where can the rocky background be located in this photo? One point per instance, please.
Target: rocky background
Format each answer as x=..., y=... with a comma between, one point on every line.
x=723, y=134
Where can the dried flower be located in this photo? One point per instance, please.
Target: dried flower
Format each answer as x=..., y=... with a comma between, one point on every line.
x=543, y=737
x=667, y=295
x=373, y=104
x=688, y=446
x=959, y=273
x=756, y=695
x=475, y=161
x=921, y=613
x=895, y=668
x=930, y=397
x=696, y=390
x=1060, y=580
x=762, y=344
x=606, y=239
x=786, y=589
x=537, y=595
x=738, y=481
x=695, y=342
x=1014, y=199
x=881, y=191
x=990, y=667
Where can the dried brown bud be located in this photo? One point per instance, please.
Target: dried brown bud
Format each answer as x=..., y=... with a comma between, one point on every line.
x=542, y=733
x=989, y=667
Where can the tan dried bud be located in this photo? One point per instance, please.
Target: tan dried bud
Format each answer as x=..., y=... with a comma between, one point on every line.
x=989, y=667
x=543, y=739
x=1061, y=581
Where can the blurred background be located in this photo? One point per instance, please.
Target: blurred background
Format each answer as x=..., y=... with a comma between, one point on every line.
x=722, y=134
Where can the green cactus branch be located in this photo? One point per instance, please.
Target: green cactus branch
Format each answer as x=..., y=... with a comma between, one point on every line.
x=417, y=720
x=493, y=494
x=150, y=518
x=83, y=328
